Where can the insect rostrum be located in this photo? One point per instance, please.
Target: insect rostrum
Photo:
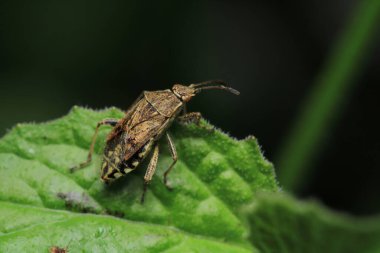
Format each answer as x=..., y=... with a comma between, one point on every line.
x=134, y=136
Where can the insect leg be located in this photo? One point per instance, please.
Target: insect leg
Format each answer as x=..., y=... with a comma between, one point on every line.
x=111, y=122
x=150, y=171
x=191, y=117
x=173, y=152
x=184, y=109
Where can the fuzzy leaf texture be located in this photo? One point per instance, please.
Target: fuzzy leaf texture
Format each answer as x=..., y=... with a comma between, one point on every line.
x=222, y=198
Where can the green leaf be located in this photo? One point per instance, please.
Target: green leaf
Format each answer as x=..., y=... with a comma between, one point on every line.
x=281, y=224
x=332, y=90
x=225, y=198
x=35, y=229
x=215, y=182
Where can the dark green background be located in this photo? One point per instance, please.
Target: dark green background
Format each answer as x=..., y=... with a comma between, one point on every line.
x=56, y=54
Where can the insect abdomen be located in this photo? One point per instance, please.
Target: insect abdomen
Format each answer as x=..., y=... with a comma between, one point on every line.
x=111, y=163
x=113, y=168
x=137, y=158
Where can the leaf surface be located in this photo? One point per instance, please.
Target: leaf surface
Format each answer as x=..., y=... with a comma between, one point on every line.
x=214, y=180
x=225, y=197
x=282, y=224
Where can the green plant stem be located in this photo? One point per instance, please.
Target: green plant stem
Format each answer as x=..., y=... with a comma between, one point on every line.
x=332, y=87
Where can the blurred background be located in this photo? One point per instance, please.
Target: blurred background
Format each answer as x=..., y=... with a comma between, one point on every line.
x=308, y=73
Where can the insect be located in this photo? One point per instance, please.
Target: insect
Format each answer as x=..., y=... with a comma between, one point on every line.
x=56, y=249
x=145, y=122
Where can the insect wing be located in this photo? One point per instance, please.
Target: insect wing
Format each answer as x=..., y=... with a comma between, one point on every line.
x=145, y=123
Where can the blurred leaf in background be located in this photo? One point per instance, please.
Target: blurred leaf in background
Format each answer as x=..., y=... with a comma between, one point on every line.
x=333, y=86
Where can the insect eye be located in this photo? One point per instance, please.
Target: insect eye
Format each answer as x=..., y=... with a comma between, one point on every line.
x=176, y=89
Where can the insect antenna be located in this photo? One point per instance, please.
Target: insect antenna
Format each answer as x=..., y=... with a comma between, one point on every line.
x=196, y=85
x=206, y=86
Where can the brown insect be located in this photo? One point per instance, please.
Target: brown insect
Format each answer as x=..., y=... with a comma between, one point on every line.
x=56, y=249
x=133, y=136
